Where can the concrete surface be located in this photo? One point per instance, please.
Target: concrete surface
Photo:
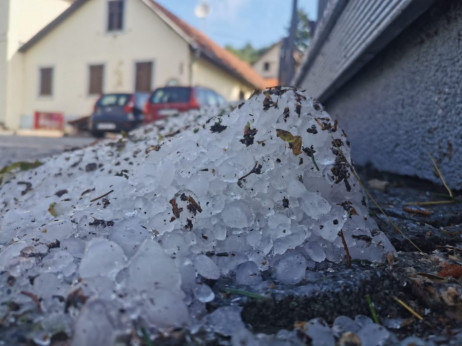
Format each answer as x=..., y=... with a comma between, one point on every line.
x=15, y=148
x=407, y=102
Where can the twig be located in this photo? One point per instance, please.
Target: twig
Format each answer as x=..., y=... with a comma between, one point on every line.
x=372, y=309
x=424, y=212
x=320, y=124
x=102, y=196
x=34, y=298
x=440, y=175
x=432, y=202
x=253, y=169
x=345, y=246
x=245, y=176
x=408, y=308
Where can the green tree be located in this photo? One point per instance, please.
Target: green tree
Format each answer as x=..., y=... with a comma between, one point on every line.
x=247, y=53
x=303, y=32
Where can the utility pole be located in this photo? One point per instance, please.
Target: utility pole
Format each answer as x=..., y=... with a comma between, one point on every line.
x=286, y=62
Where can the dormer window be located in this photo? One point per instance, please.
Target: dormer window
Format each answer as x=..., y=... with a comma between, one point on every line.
x=115, y=18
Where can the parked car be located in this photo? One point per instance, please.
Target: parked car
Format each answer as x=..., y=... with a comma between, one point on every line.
x=117, y=112
x=170, y=100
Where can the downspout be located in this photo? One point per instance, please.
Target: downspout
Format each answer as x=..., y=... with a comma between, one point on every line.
x=196, y=54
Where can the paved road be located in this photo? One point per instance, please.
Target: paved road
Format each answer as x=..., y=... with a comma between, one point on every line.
x=24, y=148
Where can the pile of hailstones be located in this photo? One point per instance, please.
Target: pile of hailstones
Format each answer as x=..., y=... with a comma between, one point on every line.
x=129, y=231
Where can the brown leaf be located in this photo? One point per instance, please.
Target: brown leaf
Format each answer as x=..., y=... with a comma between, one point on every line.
x=285, y=135
x=390, y=258
x=454, y=270
x=297, y=145
x=176, y=211
x=294, y=141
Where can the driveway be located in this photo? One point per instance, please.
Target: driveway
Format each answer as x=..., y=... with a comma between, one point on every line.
x=25, y=148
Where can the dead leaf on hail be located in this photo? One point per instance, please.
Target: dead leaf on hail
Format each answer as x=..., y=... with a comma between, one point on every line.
x=294, y=141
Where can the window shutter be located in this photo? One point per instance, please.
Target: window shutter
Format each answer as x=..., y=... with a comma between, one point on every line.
x=143, y=76
x=46, y=78
x=96, y=79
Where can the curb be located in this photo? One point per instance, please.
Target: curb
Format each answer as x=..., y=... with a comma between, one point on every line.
x=33, y=133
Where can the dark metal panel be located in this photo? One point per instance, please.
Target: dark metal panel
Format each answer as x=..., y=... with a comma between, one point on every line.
x=349, y=35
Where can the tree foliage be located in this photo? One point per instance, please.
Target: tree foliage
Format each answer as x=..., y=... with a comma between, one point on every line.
x=247, y=53
x=303, y=32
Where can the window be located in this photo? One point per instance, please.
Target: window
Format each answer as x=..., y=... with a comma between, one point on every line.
x=171, y=95
x=115, y=15
x=143, y=76
x=95, y=82
x=46, y=81
x=114, y=100
x=266, y=66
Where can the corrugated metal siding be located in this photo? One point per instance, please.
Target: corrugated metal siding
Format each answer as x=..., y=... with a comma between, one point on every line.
x=352, y=39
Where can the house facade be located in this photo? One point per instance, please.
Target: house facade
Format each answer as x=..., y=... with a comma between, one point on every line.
x=268, y=64
x=19, y=21
x=98, y=46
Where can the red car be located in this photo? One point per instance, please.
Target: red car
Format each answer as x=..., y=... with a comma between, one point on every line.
x=167, y=101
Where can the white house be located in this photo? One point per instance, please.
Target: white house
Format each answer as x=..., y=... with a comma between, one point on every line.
x=98, y=46
x=19, y=21
x=268, y=64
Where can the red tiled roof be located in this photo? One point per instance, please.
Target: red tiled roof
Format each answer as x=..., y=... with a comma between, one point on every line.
x=213, y=51
x=271, y=82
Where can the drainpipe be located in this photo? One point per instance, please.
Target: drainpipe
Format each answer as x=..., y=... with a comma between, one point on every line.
x=286, y=58
x=291, y=43
x=196, y=54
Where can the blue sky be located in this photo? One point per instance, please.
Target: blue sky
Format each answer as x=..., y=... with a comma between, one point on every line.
x=236, y=22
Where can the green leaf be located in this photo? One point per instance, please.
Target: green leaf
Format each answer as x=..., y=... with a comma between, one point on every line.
x=243, y=293
x=22, y=165
x=17, y=166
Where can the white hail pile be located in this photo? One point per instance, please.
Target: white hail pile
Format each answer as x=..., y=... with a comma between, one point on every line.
x=131, y=230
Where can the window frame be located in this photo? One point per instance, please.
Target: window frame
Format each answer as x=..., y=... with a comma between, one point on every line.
x=122, y=19
x=39, y=81
x=103, y=78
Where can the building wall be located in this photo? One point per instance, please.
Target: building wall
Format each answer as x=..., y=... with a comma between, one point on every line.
x=4, y=9
x=407, y=101
x=206, y=74
x=272, y=57
x=19, y=21
x=82, y=40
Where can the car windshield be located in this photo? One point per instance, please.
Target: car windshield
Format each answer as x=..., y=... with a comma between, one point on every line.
x=171, y=95
x=115, y=100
